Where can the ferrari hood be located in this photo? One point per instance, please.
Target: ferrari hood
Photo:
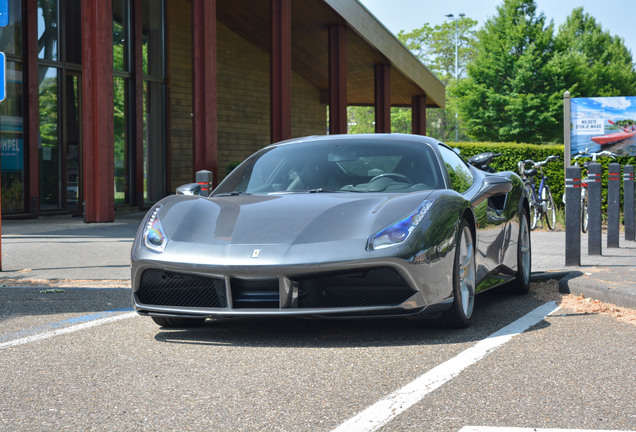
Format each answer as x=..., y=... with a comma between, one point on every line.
x=286, y=219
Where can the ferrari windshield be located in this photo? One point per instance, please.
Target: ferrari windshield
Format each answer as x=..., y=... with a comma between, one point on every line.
x=336, y=166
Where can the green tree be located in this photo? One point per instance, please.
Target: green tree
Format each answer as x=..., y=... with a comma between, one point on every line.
x=589, y=62
x=509, y=94
x=435, y=47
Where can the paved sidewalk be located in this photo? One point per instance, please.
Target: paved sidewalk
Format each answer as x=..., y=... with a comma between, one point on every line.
x=68, y=249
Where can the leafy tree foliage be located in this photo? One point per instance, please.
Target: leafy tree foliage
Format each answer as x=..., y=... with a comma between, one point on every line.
x=509, y=94
x=515, y=86
x=435, y=47
x=589, y=62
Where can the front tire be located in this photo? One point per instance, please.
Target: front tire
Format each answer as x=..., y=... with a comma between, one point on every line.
x=550, y=210
x=461, y=311
x=521, y=284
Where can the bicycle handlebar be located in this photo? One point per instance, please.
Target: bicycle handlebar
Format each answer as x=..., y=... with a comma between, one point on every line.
x=522, y=164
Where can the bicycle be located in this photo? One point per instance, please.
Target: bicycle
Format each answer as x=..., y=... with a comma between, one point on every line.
x=585, y=217
x=542, y=203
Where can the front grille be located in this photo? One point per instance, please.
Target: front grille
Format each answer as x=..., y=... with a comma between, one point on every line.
x=164, y=288
x=377, y=287
x=255, y=293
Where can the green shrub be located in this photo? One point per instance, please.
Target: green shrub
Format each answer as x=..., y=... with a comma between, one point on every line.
x=511, y=153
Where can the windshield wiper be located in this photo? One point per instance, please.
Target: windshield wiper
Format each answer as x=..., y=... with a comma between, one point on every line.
x=233, y=193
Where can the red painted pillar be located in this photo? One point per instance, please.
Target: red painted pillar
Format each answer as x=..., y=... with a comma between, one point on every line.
x=138, y=102
x=97, y=101
x=418, y=114
x=382, y=98
x=32, y=114
x=204, y=84
x=280, y=70
x=338, y=79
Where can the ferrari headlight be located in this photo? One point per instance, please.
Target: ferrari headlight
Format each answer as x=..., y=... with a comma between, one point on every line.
x=154, y=236
x=400, y=230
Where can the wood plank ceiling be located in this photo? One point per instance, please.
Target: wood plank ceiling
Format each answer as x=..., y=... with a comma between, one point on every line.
x=311, y=20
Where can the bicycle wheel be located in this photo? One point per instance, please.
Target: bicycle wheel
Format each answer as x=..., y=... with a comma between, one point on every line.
x=534, y=212
x=585, y=216
x=548, y=204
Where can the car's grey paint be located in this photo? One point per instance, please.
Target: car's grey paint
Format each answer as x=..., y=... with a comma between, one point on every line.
x=299, y=234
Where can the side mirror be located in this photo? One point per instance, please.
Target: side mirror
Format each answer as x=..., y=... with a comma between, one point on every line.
x=189, y=189
x=496, y=185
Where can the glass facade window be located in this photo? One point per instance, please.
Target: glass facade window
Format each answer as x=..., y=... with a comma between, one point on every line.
x=11, y=35
x=49, y=139
x=12, y=141
x=154, y=68
x=48, y=29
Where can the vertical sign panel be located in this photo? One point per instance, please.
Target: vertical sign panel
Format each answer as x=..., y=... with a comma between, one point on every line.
x=4, y=13
x=3, y=76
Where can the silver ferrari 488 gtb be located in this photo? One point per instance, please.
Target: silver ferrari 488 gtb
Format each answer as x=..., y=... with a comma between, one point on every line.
x=335, y=226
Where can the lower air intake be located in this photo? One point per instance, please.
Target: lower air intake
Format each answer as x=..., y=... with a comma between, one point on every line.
x=164, y=288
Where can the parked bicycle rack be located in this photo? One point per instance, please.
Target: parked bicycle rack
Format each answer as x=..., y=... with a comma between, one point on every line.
x=573, y=209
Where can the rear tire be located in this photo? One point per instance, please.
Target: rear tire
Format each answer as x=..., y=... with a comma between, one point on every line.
x=461, y=311
x=550, y=210
x=173, y=322
x=521, y=284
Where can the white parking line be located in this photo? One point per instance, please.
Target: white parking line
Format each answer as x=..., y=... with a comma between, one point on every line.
x=66, y=330
x=512, y=429
x=383, y=411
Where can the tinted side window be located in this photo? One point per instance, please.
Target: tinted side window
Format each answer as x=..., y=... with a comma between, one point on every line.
x=459, y=173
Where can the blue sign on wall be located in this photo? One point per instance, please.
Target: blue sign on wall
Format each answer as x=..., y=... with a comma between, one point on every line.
x=4, y=13
x=3, y=76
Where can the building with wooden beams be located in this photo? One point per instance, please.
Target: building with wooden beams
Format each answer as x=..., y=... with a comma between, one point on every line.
x=115, y=103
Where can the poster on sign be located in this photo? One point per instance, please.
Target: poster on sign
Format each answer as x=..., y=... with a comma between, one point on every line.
x=603, y=123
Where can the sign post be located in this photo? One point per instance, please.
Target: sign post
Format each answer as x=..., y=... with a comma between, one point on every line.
x=4, y=21
x=3, y=95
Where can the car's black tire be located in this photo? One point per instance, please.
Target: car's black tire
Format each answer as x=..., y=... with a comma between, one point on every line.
x=178, y=322
x=461, y=311
x=521, y=284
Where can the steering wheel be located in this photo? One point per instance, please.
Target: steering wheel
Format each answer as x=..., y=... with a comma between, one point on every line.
x=391, y=174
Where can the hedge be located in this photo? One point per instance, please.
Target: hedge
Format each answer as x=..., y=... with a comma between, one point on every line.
x=511, y=153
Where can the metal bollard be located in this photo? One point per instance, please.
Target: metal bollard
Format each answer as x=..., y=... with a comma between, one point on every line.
x=573, y=216
x=594, y=209
x=204, y=179
x=628, y=202
x=613, y=205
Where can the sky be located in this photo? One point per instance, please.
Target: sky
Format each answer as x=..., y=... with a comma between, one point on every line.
x=616, y=16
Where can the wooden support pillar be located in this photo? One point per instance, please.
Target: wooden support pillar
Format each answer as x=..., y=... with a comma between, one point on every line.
x=204, y=87
x=280, y=70
x=138, y=103
x=382, y=98
x=338, y=79
x=32, y=114
x=418, y=114
x=97, y=102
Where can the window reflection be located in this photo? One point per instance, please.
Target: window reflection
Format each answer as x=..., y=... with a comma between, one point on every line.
x=11, y=35
x=12, y=141
x=48, y=29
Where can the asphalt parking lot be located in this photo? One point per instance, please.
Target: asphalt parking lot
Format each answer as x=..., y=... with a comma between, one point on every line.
x=77, y=358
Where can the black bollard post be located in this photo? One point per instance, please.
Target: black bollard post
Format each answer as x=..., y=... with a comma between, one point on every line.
x=573, y=216
x=204, y=178
x=594, y=209
x=613, y=205
x=628, y=201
